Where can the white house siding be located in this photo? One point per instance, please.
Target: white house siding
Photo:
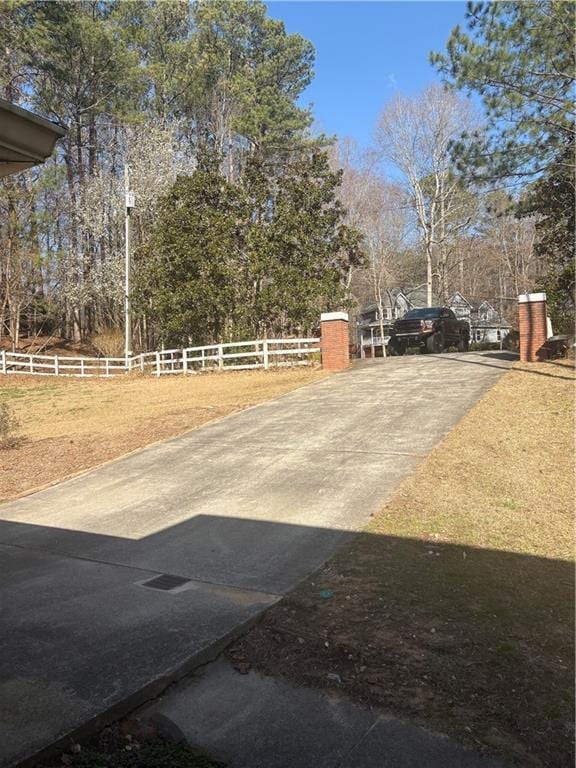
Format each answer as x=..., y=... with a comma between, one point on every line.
x=484, y=335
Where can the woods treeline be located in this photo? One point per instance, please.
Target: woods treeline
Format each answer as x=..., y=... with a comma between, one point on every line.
x=202, y=93
x=246, y=223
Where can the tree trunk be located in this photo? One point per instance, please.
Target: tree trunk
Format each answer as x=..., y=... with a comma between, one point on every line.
x=76, y=325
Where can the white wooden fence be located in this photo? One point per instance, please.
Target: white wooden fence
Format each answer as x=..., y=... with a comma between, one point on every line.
x=263, y=353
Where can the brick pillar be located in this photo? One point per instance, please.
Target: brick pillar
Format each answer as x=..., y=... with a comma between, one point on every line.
x=531, y=325
x=334, y=341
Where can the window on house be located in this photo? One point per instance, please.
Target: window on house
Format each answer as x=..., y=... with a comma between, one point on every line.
x=499, y=335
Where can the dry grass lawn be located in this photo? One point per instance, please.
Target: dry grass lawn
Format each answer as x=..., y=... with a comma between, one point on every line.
x=69, y=425
x=504, y=478
x=455, y=608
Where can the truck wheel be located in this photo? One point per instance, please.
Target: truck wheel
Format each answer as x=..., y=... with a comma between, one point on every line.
x=435, y=343
x=463, y=345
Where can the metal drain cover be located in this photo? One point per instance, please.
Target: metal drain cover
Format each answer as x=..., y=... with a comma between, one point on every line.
x=165, y=582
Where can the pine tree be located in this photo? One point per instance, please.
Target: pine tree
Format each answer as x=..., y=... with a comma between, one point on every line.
x=520, y=58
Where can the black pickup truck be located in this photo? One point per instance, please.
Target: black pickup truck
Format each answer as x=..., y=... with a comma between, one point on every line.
x=433, y=329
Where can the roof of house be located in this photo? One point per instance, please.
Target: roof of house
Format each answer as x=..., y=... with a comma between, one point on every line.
x=26, y=139
x=418, y=297
x=457, y=297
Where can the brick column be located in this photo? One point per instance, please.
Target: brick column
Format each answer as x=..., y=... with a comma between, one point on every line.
x=334, y=340
x=532, y=326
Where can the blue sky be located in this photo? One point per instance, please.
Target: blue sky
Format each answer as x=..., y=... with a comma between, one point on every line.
x=365, y=51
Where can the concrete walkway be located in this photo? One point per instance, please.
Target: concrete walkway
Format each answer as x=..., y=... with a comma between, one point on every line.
x=240, y=510
x=251, y=721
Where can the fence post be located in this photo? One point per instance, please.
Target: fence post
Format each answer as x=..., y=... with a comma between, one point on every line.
x=56, y=366
x=265, y=354
x=220, y=356
x=106, y=367
x=81, y=366
x=142, y=363
x=31, y=364
x=157, y=363
x=185, y=361
x=3, y=361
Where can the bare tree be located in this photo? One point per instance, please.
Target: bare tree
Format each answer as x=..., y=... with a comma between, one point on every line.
x=383, y=223
x=156, y=154
x=499, y=260
x=19, y=256
x=414, y=134
x=513, y=238
x=375, y=208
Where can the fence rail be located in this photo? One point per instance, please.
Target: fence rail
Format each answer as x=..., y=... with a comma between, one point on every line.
x=235, y=356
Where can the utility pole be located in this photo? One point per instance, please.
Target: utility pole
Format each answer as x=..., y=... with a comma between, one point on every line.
x=129, y=199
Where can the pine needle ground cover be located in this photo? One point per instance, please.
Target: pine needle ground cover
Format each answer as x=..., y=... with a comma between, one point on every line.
x=455, y=608
x=70, y=425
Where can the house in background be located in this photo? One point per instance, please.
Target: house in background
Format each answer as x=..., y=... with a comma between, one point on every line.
x=487, y=326
x=460, y=306
x=395, y=304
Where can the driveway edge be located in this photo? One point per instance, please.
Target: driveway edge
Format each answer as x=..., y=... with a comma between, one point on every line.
x=144, y=695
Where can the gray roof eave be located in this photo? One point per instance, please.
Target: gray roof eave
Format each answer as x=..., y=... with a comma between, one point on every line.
x=26, y=139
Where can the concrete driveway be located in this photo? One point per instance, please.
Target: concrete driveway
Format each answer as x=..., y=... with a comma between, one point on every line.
x=240, y=510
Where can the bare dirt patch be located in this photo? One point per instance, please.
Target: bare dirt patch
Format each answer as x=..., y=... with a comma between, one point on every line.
x=69, y=425
x=455, y=608
x=50, y=345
